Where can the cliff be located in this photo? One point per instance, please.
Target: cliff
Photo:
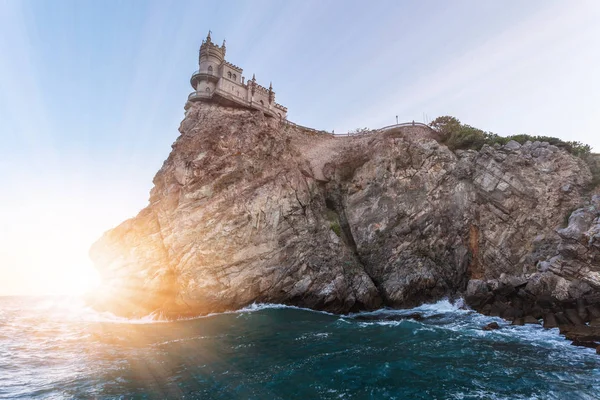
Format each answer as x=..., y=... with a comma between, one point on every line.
x=249, y=209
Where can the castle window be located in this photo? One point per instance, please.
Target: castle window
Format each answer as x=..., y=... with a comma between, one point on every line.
x=210, y=69
x=262, y=103
x=207, y=90
x=229, y=74
x=234, y=77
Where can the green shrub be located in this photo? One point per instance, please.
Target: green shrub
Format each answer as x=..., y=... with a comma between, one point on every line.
x=459, y=136
x=335, y=227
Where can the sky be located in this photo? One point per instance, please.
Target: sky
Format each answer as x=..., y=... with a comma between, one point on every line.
x=92, y=94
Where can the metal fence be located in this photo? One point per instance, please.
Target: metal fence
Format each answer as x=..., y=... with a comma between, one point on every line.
x=361, y=133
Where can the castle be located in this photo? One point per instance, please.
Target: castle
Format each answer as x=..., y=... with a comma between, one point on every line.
x=222, y=82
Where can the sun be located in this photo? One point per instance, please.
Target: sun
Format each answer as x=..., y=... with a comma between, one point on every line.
x=79, y=280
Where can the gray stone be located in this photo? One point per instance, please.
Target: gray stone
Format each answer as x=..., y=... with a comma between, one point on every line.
x=512, y=145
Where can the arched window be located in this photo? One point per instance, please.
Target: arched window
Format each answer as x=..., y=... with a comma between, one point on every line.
x=262, y=103
x=210, y=69
x=229, y=74
x=207, y=89
x=234, y=77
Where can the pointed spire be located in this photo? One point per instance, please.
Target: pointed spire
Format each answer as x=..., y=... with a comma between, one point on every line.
x=223, y=43
x=271, y=86
x=208, y=36
x=254, y=77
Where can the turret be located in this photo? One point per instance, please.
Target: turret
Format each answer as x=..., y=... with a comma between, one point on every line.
x=211, y=56
x=271, y=93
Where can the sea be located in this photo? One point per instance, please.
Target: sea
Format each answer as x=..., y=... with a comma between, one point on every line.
x=58, y=348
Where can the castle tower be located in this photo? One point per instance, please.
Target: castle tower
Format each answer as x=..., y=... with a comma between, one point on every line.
x=221, y=82
x=210, y=59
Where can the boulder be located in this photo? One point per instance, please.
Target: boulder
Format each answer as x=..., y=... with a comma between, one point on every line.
x=512, y=145
x=491, y=326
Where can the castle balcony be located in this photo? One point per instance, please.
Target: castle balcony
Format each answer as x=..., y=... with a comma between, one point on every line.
x=202, y=76
x=198, y=96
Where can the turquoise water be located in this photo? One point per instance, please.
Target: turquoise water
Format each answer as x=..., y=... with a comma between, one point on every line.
x=57, y=348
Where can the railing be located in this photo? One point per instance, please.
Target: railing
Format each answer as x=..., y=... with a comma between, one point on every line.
x=306, y=128
x=367, y=132
x=199, y=95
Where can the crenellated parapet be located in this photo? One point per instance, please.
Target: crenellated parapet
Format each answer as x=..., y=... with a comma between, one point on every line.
x=218, y=80
x=280, y=107
x=232, y=66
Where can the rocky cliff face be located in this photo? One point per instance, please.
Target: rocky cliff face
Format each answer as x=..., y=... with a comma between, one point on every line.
x=249, y=209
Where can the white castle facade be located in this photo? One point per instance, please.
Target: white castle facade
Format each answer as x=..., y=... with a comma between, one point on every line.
x=222, y=82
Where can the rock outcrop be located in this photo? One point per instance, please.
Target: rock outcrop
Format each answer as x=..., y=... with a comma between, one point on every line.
x=564, y=292
x=250, y=209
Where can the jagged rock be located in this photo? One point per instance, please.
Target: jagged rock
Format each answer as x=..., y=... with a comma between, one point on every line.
x=250, y=209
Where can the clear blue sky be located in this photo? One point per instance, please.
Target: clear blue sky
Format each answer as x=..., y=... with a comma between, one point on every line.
x=92, y=92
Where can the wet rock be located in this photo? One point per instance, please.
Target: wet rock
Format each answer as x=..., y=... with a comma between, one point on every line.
x=582, y=310
x=388, y=317
x=491, y=326
x=562, y=320
x=536, y=312
x=573, y=316
x=583, y=333
x=545, y=301
x=550, y=321
x=518, y=321
x=591, y=345
x=530, y=320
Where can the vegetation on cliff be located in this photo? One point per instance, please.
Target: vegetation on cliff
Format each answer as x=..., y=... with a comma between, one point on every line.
x=457, y=135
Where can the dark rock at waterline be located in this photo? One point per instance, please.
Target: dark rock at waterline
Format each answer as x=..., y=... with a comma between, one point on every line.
x=593, y=312
x=583, y=334
x=531, y=320
x=388, y=317
x=595, y=323
x=591, y=345
x=550, y=321
x=561, y=319
x=491, y=326
x=525, y=320
x=545, y=301
x=574, y=317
